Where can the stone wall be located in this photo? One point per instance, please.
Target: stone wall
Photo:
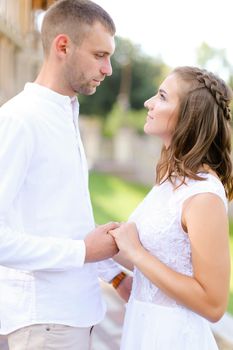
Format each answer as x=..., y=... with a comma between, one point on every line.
x=20, y=46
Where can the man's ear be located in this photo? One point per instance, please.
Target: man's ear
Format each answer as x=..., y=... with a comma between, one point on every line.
x=61, y=43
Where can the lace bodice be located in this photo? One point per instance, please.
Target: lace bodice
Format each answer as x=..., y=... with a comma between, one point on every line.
x=158, y=219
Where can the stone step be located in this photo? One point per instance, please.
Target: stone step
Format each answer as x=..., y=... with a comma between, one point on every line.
x=223, y=331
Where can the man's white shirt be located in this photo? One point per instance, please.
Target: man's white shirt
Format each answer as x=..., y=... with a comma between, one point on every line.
x=45, y=213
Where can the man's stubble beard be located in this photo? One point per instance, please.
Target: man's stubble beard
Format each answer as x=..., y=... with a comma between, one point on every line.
x=76, y=80
x=80, y=87
x=86, y=90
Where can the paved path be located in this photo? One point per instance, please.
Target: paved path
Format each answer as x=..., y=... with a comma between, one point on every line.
x=106, y=336
x=3, y=345
x=108, y=333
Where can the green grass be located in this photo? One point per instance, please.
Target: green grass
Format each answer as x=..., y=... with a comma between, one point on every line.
x=230, y=304
x=114, y=199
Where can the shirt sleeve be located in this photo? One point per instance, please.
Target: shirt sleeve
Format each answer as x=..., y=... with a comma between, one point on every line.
x=34, y=253
x=20, y=250
x=108, y=269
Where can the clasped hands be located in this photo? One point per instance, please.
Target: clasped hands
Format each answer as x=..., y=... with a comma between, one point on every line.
x=127, y=239
x=106, y=240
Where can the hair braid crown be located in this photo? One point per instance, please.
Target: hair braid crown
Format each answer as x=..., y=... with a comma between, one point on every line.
x=217, y=90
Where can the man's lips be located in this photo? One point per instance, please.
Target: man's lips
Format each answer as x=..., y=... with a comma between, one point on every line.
x=98, y=81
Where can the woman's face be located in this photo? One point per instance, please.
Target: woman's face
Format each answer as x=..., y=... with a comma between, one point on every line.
x=163, y=110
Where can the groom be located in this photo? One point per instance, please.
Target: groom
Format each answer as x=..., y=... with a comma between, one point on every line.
x=50, y=296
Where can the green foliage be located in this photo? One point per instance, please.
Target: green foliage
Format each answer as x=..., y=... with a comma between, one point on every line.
x=230, y=304
x=215, y=59
x=143, y=77
x=105, y=96
x=231, y=80
x=118, y=118
x=231, y=228
x=145, y=73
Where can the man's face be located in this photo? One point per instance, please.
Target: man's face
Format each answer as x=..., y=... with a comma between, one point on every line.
x=87, y=65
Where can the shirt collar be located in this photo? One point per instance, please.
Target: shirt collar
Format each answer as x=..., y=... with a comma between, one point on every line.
x=51, y=95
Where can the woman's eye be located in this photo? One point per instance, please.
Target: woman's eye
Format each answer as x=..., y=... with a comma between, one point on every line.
x=162, y=96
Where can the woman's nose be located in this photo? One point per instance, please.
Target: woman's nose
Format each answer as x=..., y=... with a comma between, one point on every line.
x=146, y=104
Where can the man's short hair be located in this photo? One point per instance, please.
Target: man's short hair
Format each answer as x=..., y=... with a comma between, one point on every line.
x=73, y=18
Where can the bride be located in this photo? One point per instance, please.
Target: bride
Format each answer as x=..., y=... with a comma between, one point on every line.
x=177, y=238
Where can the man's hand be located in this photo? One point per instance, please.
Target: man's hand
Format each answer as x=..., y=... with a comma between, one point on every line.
x=99, y=244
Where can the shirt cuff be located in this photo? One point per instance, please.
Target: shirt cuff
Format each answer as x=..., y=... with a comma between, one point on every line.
x=80, y=252
x=108, y=269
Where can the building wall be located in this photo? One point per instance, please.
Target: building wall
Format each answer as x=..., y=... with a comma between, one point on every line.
x=20, y=48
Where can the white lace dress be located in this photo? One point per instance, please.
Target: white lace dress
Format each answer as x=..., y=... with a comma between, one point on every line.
x=153, y=320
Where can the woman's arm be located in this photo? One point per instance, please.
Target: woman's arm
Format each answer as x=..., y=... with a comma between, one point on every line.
x=121, y=259
x=206, y=293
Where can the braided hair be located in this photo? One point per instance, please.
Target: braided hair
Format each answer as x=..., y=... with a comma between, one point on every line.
x=218, y=90
x=202, y=136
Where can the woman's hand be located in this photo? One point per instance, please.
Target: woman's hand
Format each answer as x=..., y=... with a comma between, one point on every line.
x=127, y=240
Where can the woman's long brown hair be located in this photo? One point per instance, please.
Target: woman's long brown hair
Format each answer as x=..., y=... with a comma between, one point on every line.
x=202, y=136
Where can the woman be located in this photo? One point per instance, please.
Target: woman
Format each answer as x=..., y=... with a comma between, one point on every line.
x=177, y=238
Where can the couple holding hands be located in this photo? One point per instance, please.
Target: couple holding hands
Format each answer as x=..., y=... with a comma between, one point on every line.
x=176, y=240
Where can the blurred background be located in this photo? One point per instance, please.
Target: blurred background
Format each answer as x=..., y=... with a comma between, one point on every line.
x=152, y=38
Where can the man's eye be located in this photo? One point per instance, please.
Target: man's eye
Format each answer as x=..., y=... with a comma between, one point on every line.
x=99, y=55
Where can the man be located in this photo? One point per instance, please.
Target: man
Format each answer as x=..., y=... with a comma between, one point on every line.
x=49, y=295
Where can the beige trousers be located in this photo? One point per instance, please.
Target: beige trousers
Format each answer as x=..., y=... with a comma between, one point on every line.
x=50, y=337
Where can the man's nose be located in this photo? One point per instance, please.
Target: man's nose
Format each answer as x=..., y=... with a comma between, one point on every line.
x=107, y=68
